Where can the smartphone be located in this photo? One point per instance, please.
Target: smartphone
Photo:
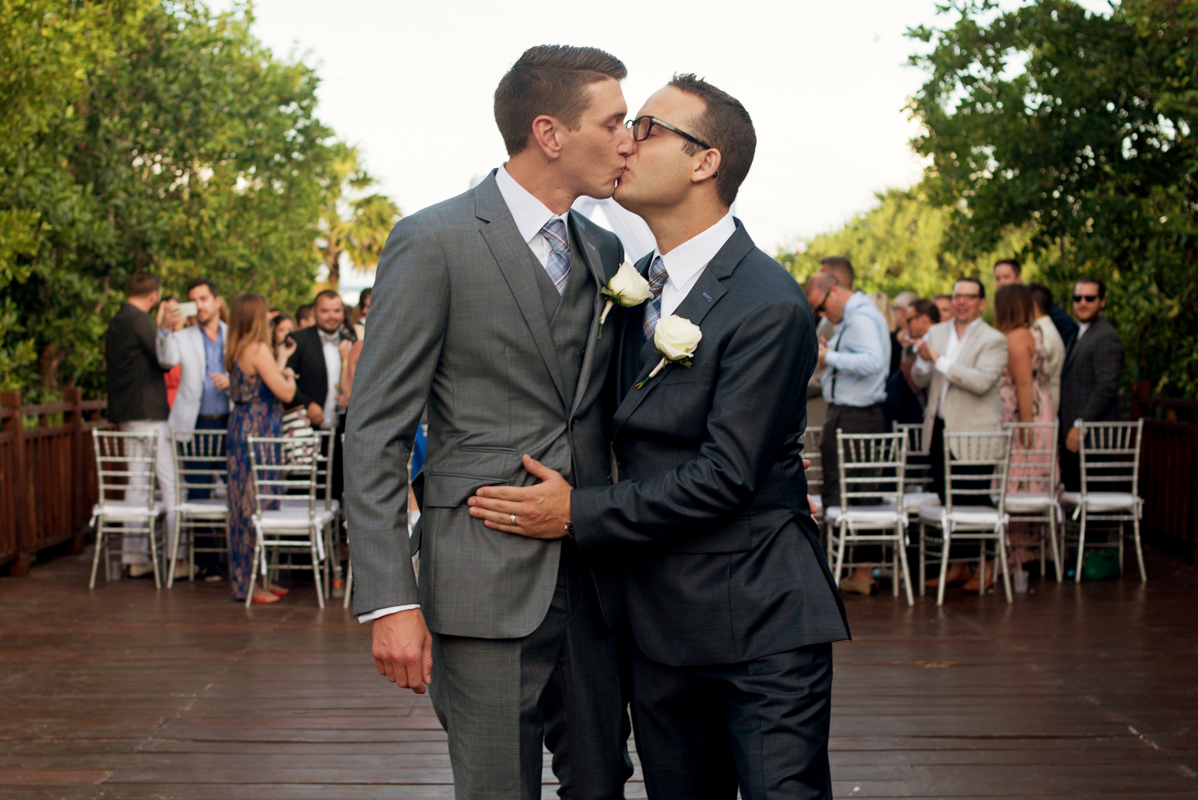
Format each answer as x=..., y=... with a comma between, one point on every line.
x=188, y=309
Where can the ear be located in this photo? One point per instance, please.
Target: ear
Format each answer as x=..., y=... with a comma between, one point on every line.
x=708, y=166
x=546, y=136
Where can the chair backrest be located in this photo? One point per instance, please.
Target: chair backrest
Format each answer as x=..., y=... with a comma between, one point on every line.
x=201, y=462
x=125, y=461
x=1033, y=464
x=1110, y=456
x=979, y=467
x=324, y=466
x=276, y=474
x=812, y=439
x=919, y=462
x=872, y=466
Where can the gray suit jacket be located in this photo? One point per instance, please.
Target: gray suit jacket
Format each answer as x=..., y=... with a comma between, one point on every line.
x=186, y=347
x=457, y=322
x=973, y=401
x=1090, y=376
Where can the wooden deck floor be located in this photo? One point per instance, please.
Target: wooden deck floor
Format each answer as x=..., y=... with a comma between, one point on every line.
x=125, y=692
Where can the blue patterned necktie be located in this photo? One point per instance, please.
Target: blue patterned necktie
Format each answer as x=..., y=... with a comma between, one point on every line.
x=657, y=279
x=558, y=265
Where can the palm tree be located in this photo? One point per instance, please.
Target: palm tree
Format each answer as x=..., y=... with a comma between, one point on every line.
x=352, y=223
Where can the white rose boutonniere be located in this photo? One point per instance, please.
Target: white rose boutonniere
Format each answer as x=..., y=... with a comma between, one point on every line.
x=676, y=339
x=627, y=287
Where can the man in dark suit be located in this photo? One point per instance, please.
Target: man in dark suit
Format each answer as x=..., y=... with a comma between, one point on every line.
x=706, y=540
x=317, y=365
x=1091, y=375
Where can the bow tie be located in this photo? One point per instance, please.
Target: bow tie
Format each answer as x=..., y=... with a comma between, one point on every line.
x=330, y=338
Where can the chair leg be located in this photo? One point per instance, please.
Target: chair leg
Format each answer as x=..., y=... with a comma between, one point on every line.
x=1081, y=547
x=154, y=553
x=91, y=584
x=317, y=567
x=1057, y=550
x=902, y=558
x=839, y=554
x=174, y=554
x=349, y=583
x=923, y=563
x=1121, y=538
x=944, y=543
x=1139, y=550
x=1001, y=548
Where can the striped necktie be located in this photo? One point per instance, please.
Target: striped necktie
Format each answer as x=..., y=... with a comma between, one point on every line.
x=558, y=265
x=657, y=279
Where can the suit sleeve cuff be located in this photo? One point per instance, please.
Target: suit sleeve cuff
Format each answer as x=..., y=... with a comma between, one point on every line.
x=379, y=613
x=943, y=365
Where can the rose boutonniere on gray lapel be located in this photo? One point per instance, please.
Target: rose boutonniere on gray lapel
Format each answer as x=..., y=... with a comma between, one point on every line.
x=627, y=287
x=676, y=339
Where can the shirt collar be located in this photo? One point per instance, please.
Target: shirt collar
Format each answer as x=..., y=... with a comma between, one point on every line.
x=689, y=258
x=529, y=213
x=968, y=328
x=329, y=338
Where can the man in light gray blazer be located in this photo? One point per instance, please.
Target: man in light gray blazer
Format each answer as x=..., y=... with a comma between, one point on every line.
x=960, y=364
x=486, y=309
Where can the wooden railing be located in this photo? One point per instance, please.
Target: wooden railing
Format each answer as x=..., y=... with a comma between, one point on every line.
x=1168, y=469
x=47, y=474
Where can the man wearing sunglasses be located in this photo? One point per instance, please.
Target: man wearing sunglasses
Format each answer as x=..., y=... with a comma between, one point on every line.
x=711, y=549
x=1090, y=377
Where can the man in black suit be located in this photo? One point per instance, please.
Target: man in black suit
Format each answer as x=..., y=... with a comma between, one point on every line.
x=1090, y=376
x=705, y=545
x=317, y=365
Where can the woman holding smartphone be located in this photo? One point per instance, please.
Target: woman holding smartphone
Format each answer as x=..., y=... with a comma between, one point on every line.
x=260, y=382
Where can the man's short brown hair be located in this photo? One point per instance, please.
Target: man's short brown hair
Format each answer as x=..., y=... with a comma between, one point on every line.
x=143, y=283
x=549, y=79
x=727, y=127
x=842, y=268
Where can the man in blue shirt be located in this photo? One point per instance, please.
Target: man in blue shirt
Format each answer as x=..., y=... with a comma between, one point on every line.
x=856, y=361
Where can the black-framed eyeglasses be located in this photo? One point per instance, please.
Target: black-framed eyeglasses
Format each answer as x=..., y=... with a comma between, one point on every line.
x=819, y=310
x=641, y=127
x=1089, y=298
x=966, y=296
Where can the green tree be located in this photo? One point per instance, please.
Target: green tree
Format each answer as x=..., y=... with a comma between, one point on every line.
x=352, y=224
x=1078, y=128
x=900, y=246
x=143, y=135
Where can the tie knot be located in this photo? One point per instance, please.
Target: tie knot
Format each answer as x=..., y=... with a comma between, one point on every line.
x=657, y=276
x=555, y=232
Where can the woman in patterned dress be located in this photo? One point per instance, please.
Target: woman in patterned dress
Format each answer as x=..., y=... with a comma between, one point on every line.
x=1025, y=398
x=259, y=383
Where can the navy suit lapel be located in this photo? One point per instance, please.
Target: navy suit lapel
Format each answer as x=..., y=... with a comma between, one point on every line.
x=703, y=296
x=512, y=256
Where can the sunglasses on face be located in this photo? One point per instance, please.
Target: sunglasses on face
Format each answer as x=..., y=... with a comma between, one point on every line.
x=1089, y=298
x=818, y=311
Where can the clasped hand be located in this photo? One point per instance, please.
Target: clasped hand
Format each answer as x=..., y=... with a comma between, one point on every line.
x=538, y=512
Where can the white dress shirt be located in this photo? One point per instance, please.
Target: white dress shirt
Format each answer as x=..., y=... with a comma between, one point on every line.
x=686, y=262
x=1082, y=327
x=329, y=342
x=530, y=216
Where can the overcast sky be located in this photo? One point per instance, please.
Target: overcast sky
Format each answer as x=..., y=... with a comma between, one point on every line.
x=411, y=84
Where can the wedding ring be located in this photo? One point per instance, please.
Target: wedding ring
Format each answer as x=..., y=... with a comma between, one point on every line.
x=513, y=516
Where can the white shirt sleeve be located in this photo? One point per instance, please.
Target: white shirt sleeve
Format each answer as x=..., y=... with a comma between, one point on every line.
x=943, y=365
x=379, y=613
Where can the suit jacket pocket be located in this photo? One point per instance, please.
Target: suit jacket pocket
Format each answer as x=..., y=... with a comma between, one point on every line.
x=452, y=482
x=734, y=536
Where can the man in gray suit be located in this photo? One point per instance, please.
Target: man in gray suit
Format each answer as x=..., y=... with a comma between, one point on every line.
x=707, y=536
x=486, y=308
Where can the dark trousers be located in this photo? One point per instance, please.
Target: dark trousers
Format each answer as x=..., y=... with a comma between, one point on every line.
x=1071, y=464
x=849, y=419
x=761, y=725
x=499, y=699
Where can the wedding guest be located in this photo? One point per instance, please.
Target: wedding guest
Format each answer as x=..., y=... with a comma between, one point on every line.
x=1008, y=271
x=281, y=327
x=137, y=356
x=260, y=383
x=856, y=365
x=305, y=317
x=175, y=373
x=882, y=301
x=960, y=365
x=900, y=308
x=1054, y=345
x=944, y=303
x=1025, y=396
x=357, y=319
x=904, y=399
x=1091, y=375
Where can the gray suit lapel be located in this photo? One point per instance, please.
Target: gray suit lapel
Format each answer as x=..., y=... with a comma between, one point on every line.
x=702, y=297
x=512, y=255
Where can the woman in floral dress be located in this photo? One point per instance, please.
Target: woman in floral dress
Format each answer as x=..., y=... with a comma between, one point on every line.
x=259, y=383
x=1025, y=398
